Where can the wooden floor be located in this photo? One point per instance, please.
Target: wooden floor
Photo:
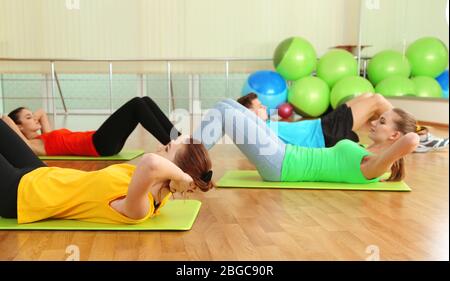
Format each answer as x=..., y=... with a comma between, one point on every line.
x=249, y=224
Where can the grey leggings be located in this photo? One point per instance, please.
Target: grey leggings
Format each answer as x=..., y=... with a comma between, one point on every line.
x=250, y=134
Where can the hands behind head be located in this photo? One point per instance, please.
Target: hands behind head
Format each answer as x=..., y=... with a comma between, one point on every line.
x=183, y=185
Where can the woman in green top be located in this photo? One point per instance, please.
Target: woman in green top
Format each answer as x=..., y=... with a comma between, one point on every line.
x=344, y=162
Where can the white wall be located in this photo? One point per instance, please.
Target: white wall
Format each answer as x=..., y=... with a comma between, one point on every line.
x=435, y=111
x=171, y=28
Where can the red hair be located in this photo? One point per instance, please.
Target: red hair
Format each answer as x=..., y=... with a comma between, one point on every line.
x=194, y=160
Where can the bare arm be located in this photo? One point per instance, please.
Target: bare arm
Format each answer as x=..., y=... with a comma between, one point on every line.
x=153, y=170
x=42, y=118
x=378, y=165
x=16, y=129
x=366, y=108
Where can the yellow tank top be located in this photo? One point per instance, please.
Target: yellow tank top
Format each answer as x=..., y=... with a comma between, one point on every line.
x=60, y=193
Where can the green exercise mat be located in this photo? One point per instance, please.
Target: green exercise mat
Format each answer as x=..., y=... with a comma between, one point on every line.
x=251, y=179
x=123, y=155
x=175, y=215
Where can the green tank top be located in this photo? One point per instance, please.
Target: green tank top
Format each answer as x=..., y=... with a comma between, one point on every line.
x=340, y=163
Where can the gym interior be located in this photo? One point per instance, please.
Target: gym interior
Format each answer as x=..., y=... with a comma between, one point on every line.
x=79, y=61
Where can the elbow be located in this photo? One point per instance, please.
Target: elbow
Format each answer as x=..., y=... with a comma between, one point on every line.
x=41, y=111
x=412, y=141
x=150, y=161
x=6, y=119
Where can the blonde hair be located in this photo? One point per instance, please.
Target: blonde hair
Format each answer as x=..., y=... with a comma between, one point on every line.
x=405, y=124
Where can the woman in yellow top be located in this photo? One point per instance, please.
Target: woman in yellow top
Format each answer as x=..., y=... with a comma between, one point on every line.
x=30, y=191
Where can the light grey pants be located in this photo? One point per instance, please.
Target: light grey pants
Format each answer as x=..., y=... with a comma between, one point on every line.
x=250, y=134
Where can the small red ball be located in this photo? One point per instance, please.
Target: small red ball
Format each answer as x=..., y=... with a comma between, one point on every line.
x=285, y=110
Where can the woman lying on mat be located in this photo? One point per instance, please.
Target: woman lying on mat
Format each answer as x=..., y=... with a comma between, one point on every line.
x=125, y=194
x=341, y=123
x=108, y=140
x=345, y=162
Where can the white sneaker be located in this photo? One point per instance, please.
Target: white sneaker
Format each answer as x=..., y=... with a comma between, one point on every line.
x=431, y=143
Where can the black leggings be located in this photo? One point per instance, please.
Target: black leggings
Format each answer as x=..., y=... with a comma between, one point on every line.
x=16, y=160
x=110, y=138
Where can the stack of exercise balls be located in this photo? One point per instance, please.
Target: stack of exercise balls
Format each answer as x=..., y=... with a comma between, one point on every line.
x=335, y=82
x=413, y=74
x=295, y=59
x=429, y=59
x=315, y=85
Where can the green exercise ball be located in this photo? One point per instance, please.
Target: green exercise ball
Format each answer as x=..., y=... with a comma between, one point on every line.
x=428, y=57
x=396, y=86
x=335, y=65
x=310, y=96
x=386, y=64
x=427, y=87
x=348, y=88
x=295, y=58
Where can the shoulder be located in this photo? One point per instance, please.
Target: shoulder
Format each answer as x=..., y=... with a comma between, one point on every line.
x=351, y=145
x=346, y=142
x=151, y=161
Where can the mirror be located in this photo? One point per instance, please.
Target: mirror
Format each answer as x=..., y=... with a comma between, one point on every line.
x=396, y=25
